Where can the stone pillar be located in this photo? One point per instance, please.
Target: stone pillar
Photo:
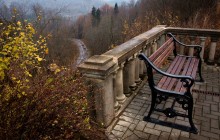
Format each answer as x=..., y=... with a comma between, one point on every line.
x=212, y=50
x=202, y=44
x=154, y=47
x=116, y=105
x=127, y=90
x=141, y=67
x=118, y=85
x=98, y=70
x=191, y=49
x=182, y=48
x=131, y=72
x=137, y=70
x=149, y=52
x=161, y=40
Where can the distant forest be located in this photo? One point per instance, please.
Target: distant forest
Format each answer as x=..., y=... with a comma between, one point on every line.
x=108, y=26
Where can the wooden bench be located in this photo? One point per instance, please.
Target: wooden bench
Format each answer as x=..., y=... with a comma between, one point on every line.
x=176, y=82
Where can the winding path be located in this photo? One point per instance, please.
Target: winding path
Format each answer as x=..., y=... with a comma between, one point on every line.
x=83, y=52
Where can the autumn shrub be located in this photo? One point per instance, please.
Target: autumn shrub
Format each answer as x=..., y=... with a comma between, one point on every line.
x=36, y=103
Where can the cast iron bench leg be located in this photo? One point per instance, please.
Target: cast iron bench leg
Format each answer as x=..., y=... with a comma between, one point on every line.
x=190, y=113
x=153, y=102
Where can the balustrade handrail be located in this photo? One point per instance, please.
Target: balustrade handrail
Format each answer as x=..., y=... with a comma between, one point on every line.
x=132, y=46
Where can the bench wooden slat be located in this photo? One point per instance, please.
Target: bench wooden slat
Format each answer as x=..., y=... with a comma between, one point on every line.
x=161, y=82
x=159, y=61
x=189, y=69
x=160, y=50
x=189, y=72
x=173, y=71
x=174, y=80
x=179, y=83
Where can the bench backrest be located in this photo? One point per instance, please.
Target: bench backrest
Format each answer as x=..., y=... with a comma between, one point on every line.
x=162, y=53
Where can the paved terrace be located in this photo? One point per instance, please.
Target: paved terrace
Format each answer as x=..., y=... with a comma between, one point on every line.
x=130, y=126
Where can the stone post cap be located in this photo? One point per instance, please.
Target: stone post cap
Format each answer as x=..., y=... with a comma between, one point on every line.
x=98, y=66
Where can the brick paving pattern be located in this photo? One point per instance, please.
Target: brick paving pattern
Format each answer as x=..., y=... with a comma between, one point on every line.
x=206, y=115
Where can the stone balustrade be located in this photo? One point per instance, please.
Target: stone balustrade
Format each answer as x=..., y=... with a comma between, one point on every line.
x=117, y=73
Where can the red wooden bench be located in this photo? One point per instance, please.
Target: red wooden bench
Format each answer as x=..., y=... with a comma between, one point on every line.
x=175, y=83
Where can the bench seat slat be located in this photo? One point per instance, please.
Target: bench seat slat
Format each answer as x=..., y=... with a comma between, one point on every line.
x=163, y=79
x=179, y=83
x=174, y=80
x=190, y=70
x=174, y=68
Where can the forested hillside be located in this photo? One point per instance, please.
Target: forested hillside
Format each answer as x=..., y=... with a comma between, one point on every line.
x=117, y=24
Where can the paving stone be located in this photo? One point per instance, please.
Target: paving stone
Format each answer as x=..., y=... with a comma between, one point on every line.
x=164, y=135
x=134, y=107
x=182, y=122
x=129, y=114
x=183, y=138
x=214, y=123
x=132, y=137
x=198, y=137
x=215, y=113
x=127, y=119
x=141, y=125
x=136, y=121
x=214, y=107
x=131, y=110
x=142, y=111
x=175, y=133
x=150, y=125
x=132, y=127
x=120, y=128
x=216, y=131
x=201, y=118
x=123, y=123
x=127, y=134
x=153, y=137
x=210, y=116
x=216, y=99
x=184, y=134
x=162, y=128
x=117, y=133
x=210, y=134
x=152, y=131
x=141, y=135
x=112, y=137
x=139, y=117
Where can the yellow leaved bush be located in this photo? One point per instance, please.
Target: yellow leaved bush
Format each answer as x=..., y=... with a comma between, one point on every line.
x=20, y=54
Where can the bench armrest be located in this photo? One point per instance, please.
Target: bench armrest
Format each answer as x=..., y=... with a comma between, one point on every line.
x=183, y=78
x=197, y=47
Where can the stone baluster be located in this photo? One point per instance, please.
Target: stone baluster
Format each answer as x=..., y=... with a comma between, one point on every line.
x=191, y=49
x=132, y=83
x=182, y=48
x=149, y=52
x=99, y=70
x=212, y=50
x=154, y=46
x=129, y=77
x=161, y=40
x=202, y=44
x=137, y=70
x=118, y=85
x=141, y=67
